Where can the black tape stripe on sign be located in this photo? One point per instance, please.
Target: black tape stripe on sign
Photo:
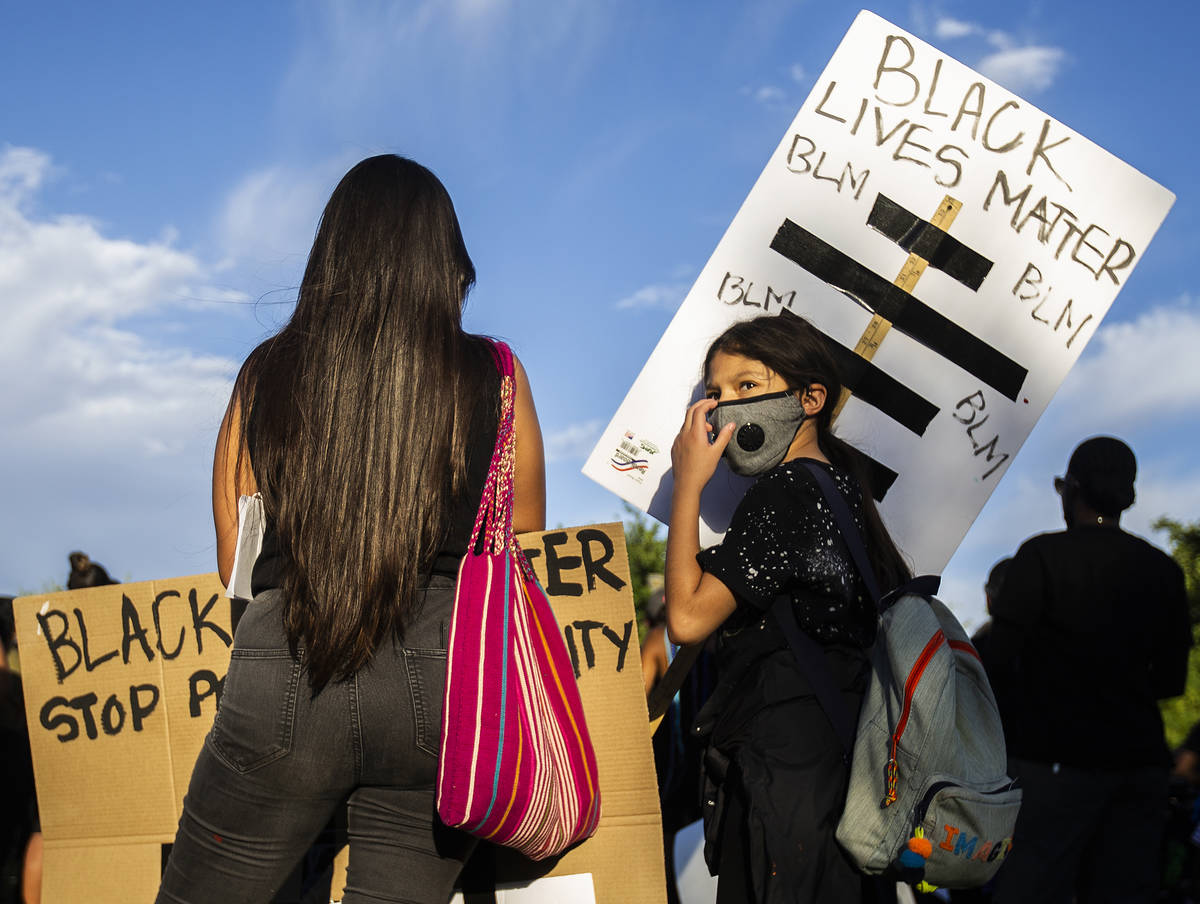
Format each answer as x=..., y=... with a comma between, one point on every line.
x=922, y=238
x=905, y=311
x=879, y=389
x=879, y=477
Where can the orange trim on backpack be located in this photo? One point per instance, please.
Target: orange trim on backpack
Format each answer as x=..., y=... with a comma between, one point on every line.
x=910, y=689
x=964, y=647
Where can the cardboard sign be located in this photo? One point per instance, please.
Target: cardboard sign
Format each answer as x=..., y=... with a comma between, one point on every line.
x=121, y=686
x=958, y=247
x=585, y=572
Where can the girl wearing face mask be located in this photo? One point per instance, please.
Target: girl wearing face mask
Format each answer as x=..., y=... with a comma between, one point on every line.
x=775, y=779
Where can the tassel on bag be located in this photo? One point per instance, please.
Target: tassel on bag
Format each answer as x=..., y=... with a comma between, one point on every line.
x=516, y=766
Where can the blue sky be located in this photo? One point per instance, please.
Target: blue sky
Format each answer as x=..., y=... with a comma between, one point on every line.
x=162, y=168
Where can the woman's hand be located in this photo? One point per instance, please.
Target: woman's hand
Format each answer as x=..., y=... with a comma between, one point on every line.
x=693, y=457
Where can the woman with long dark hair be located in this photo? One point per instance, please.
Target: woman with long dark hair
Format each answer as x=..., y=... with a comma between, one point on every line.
x=367, y=426
x=775, y=777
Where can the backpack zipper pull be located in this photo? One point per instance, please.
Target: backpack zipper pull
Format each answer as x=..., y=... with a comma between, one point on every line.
x=893, y=773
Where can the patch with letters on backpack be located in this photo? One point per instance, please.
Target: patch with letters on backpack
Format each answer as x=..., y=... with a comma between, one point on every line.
x=929, y=800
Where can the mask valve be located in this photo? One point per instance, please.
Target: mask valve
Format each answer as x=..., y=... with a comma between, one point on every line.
x=751, y=437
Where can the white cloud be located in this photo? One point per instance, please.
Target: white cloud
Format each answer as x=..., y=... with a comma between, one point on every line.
x=60, y=273
x=1119, y=371
x=769, y=94
x=660, y=295
x=22, y=171
x=471, y=10
x=352, y=54
x=112, y=426
x=270, y=217
x=1163, y=490
x=948, y=29
x=574, y=442
x=798, y=73
x=1023, y=70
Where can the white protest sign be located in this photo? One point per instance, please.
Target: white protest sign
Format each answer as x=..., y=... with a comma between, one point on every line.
x=991, y=237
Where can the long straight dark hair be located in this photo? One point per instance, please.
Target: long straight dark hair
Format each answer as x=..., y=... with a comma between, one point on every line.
x=357, y=413
x=791, y=347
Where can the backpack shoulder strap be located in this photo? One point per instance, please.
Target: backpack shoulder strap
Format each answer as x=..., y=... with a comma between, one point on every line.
x=811, y=660
x=809, y=655
x=925, y=585
x=922, y=585
x=845, y=522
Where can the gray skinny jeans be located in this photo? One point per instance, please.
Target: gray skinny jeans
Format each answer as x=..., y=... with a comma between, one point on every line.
x=278, y=762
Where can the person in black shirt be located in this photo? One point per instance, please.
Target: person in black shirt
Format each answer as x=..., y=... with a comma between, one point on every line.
x=1090, y=631
x=991, y=591
x=775, y=777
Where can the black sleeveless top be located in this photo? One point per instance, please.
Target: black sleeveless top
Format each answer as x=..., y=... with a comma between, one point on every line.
x=484, y=423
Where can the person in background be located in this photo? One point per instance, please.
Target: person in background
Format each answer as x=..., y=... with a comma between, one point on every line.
x=1181, y=846
x=677, y=750
x=86, y=573
x=657, y=651
x=1187, y=758
x=18, y=802
x=991, y=591
x=1090, y=630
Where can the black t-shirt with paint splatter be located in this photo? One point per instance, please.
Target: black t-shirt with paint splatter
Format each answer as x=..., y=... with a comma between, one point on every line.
x=783, y=540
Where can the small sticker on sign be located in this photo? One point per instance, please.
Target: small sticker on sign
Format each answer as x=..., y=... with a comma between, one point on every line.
x=632, y=456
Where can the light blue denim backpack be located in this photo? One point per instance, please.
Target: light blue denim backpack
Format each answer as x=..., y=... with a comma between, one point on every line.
x=929, y=799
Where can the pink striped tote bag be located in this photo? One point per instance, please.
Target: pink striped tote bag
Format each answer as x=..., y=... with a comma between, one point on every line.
x=516, y=766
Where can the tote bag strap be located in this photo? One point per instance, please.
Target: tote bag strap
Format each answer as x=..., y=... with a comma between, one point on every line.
x=493, y=521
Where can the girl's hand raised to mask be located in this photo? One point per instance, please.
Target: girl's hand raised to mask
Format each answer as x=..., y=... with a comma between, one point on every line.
x=693, y=457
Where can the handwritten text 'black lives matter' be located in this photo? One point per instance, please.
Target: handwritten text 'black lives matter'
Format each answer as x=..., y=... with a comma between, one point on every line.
x=942, y=130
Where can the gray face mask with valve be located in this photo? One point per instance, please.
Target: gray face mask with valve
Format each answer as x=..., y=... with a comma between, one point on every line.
x=766, y=426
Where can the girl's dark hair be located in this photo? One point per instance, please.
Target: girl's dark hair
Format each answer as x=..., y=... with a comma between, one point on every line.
x=791, y=347
x=357, y=413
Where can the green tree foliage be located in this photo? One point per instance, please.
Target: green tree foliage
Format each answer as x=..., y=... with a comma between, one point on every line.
x=647, y=556
x=1181, y=713
x=1184, y=540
